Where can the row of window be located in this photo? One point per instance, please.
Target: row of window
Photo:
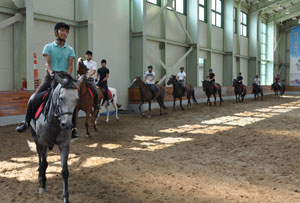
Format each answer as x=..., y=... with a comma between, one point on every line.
x=216, y=13
x=178, y=5
x=217, y=16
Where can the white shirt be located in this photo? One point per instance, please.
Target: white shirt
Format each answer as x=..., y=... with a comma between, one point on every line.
x=91, y=65
x=149, y=77
x=181, y=75
x=257, y=81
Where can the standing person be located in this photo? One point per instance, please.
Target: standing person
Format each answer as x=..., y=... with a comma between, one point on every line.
x=59, y=58
x=102, y=76
x=149, y=79
x=181, y=76
x=92, y=66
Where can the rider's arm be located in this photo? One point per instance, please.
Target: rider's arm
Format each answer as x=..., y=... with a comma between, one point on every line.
x=153, y=77
x=70, y=65
x=93, y=73
x=94, y=69
x=48, y=65
x=106, y=77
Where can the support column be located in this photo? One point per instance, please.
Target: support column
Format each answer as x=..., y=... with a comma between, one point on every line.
x=192, y=28
x=270, y=53
x=29, y=24
x=163, y=45
x=90, y=24
x=253, y=45
x=238, y=40
x=228, y=42
x=207, y=64
x=138, y=47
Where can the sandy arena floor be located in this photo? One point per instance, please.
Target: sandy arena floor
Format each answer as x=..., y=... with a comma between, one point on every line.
x=246, y=152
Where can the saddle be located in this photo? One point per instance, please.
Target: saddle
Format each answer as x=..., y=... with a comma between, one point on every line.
x=102, y=91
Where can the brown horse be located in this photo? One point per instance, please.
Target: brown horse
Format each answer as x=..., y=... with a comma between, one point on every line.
x=146, y=95
x=86, y=101
x=180, y=91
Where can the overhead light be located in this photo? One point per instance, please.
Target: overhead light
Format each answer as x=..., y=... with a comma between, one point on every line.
x=294, y=18
x=287, y=12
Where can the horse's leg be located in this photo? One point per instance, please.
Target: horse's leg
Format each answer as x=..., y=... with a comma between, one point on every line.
x=116, y=109
x=181, y=103
x=87, y=116
x=107, y=113
x=215, y=102
x=64, y=153
x=94, y=118
x=149, y=114
x=174, y=102
x=140, y=108
x=43, y=164
x=236, y=98
x=209, y=100
x=159, y=100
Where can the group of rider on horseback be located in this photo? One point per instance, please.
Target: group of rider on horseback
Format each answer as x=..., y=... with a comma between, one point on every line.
x=59, y=57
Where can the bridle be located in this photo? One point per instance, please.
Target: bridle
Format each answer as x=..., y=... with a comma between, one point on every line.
x=58, y=111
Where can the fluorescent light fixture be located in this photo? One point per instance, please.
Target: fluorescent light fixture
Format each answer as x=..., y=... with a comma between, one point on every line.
x=287, y=12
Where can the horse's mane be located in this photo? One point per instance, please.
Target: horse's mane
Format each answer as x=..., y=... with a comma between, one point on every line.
x=66, y=80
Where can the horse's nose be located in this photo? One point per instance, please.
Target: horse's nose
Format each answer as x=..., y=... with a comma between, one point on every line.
x=63, y=124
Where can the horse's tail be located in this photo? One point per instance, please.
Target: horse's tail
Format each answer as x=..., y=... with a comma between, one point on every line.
x=193, y=96
x=220, y=92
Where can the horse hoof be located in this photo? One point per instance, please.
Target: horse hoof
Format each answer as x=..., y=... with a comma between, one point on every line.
x=88, y=136
x=118, y=119
x=42, y=190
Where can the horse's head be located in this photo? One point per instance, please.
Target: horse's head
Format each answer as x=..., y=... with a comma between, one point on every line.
x=205, y=84
x=136, y=82
x=82, y=69
x=234, y=82
x=65, y=96
x=171, y=80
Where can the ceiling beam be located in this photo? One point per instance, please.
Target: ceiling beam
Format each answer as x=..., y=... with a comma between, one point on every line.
x=267, y=5
x=282, y=16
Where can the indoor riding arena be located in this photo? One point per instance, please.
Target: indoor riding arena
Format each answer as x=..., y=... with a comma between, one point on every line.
x=237, y=140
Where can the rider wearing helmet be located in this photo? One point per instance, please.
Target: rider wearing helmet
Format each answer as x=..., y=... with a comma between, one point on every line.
x=277, y=79
x=59, y=58
x=149, y=79
x=212, y=79
x=181, y=76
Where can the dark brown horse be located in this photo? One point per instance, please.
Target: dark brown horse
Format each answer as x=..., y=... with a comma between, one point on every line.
x=278, y=88
x=240, y=91
x=210, y=89
x=257, y=89
x=180, y=91
x=147, y=96
x=86, y=101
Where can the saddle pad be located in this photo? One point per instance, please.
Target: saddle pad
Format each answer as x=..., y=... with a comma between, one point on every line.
x=91, y=93
x=39, y=110
x=109, y=94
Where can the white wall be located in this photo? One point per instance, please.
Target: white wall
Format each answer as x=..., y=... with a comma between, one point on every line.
x=217, y=41
x=202, y=39
x=173, y=29
x=217, y=66
x=151, y=60
x=58, y=8
x=6, y=56
x=154, y=28
x=244, y=70
x=174, y=53
x=111, y=41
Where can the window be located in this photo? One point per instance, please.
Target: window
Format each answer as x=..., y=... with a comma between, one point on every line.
x=263, y=53
x=179, y=6
x=244, y=24
x=217, y=13
x=202, y=10
x=156, y=2
x=234, y=20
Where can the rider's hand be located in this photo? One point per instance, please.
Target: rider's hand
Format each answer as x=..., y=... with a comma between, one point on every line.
x=52, y=75
x=96, y=80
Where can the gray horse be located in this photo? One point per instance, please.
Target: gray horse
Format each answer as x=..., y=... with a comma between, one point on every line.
x=54, y=127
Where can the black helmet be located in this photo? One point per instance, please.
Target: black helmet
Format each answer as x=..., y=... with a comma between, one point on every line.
x=61, y=25
x=210, y=70
x=150, y=66
x=181, y=68
x=89, y=53
x=256, y=76
x=103, y=61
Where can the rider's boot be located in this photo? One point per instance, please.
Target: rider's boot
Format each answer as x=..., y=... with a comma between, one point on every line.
x=25, y=124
